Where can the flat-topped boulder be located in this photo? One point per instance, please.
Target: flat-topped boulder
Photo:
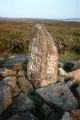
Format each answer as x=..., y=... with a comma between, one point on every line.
x=43, y=62
x=58, y=95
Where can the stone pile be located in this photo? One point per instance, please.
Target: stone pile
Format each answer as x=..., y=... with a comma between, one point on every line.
x=30, y=87
x=13, y=82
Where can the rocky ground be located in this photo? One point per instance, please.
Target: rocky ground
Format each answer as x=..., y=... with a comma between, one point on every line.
x=55, y=97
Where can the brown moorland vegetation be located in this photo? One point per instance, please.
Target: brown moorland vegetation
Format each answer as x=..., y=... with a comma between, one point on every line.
x=15, y=37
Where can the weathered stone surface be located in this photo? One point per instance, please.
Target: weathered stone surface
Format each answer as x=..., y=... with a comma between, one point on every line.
x=16, y=61
x=24, y=85
x=5, y=98
x=23, y=103
x=11, y=81
x=43, y=63
x=23, y=116
x=59, y=95
x=7, y=72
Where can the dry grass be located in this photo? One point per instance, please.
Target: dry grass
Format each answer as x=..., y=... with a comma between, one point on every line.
x=65, y=34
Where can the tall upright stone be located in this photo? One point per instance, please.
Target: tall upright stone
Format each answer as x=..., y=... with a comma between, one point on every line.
x=43, y=63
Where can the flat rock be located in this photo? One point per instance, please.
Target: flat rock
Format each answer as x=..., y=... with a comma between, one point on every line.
x=23, y=116
x=16, y=60
x=58, y=95
x=7, y=72
x=5, y=98
x=43, y=63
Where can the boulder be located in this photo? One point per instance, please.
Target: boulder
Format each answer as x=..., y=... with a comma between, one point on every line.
x=5, y=97
x=42, y=66
x=23, y=103
x=58, y=95
x=24, y=85
x=11, y=81
x=16, y=62
x=23, y=116
x=7, y=72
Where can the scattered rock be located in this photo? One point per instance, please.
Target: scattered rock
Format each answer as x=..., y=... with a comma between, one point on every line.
x=43, y=63
x=23, y=116
x=5, y=98
x=58, y=95
x=24, y=85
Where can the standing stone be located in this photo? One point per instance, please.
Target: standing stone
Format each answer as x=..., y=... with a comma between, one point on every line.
x=43, y=63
